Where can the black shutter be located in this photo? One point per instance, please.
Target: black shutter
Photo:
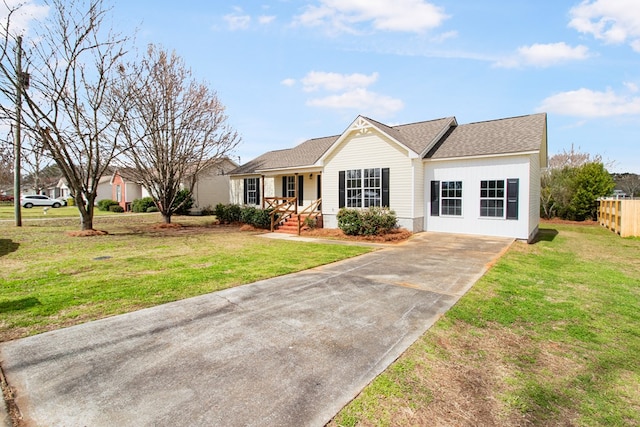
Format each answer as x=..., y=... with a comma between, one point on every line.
x=385, y=187
x=512, y=198
x=246, y=191
x=341, y=190
x=284, y=186
x=300, y=189
x=435, y=198
x=258, y=200
x=319, y=187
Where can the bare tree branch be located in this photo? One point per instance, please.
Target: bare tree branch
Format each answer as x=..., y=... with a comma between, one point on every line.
x=72, y=64
x=174, y=125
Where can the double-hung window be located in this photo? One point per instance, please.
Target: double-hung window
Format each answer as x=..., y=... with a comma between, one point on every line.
x=252, y=191
x=372, y=189
x=499, y=198
x=290, y=186
x=492, y=198
x=360, y=188
x=451, y=201
x=446, y=198
x=354, y=188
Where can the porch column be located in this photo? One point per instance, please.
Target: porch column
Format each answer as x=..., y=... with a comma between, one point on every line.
x=295, y=180
x=262, y=192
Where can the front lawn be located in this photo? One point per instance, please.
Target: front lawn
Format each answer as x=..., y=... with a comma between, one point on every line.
x=7, y=211
x=550, y=336
x=50, y=280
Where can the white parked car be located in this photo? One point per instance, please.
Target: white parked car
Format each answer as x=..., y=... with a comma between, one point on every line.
x=39, y=200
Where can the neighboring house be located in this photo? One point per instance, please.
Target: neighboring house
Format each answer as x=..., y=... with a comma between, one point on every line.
x=479, y=178
x=105, y=190
x=125, y=189
x=211, y=186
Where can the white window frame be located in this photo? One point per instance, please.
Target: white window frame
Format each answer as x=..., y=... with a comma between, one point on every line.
x=494, y=198
x=252, y=191
x=451, y=191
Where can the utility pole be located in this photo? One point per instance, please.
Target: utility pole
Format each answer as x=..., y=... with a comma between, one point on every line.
x=17, y=136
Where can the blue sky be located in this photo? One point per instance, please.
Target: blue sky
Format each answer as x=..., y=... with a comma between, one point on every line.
x=290, y=70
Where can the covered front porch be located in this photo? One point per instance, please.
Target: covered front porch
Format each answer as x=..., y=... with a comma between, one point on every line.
x=294, y=197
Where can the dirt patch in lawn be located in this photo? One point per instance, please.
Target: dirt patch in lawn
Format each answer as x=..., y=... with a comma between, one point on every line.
x=87, y=233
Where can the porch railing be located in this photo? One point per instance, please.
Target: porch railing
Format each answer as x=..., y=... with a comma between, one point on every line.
x=282, y=209
x=310, y=212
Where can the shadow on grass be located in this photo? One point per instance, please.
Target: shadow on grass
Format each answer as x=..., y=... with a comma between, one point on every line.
x=7, y=246
x=19, y=304
x=545, y=235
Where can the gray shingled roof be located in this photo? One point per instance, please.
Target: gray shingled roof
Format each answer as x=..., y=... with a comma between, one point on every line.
x=503, y=136
x=512, y=135
x=305, y=154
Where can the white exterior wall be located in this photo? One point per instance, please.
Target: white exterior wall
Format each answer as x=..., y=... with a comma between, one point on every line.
x=372, y=150
x=534, y=196
x=471, y=172
x=236, y=188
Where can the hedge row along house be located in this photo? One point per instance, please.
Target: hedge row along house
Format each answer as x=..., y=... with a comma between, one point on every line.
x=477, y=178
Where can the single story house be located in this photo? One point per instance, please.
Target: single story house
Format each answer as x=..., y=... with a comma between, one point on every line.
x=210, y=188
x=477, y=178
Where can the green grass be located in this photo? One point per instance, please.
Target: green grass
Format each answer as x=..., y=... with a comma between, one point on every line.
x=50, y=279
x=549, y=336
x=7, y=212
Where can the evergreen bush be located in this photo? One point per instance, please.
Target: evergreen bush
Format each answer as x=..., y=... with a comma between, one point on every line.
x=105, y=204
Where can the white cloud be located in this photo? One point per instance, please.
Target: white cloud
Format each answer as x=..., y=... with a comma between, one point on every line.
x=400, y=15
x=238, y=20
x=288, y=82
x=334, y=82
x=27, y=12
x=612, y=21
x=590, y=104
x=632, y=87
x=360, y=100
x=544, y=55
x=266, y=19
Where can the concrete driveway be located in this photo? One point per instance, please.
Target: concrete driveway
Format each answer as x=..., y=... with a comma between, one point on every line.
x=288, y=351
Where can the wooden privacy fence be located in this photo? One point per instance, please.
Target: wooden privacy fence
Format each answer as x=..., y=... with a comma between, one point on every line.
x=621, y=216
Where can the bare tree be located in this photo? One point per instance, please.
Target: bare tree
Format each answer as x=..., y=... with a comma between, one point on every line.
x=72, y=63
x=629, y=183
x=175, y=126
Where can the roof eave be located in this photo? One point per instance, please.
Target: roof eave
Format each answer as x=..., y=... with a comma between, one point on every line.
x=482, y=156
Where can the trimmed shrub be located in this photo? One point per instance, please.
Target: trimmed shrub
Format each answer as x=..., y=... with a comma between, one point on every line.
x=366, y=222
x=151, y=209
x=261, y=218
x=227, y=213
x=143, y=205
x=116, y=208
x=247, y=214
x=105, y=204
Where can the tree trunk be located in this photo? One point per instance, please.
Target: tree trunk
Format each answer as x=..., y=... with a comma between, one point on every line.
x=166, y=218
x=86, y=220
x=86, y=212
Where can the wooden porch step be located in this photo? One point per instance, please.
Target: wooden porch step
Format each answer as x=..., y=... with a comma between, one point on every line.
x=290, y=226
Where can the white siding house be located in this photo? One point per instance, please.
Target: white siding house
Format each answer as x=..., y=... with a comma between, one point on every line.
x=478, y=178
